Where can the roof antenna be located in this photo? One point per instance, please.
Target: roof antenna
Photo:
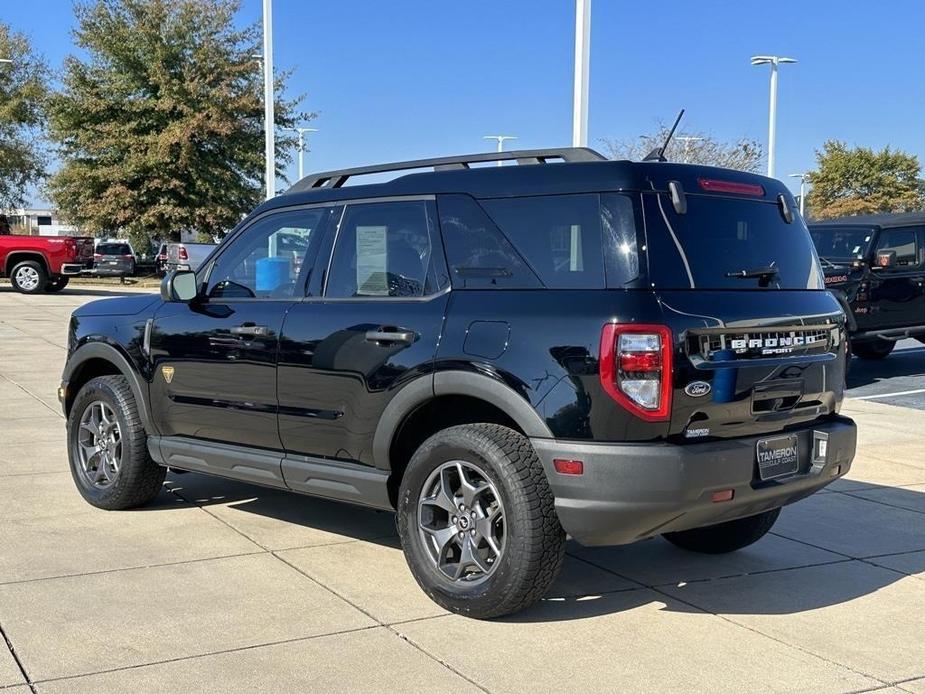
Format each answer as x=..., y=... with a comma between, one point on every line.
x=658, y=154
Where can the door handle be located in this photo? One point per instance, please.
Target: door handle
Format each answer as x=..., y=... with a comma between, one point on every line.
x=405, y=336
x=250, y=330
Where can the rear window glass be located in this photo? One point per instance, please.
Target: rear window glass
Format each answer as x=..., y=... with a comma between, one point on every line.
x=113, y=249
x=720, y=237
x=558, y=235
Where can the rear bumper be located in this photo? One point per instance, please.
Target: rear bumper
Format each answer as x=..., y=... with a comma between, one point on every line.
x=113, y=270
x=633, y=491
x=72, y=268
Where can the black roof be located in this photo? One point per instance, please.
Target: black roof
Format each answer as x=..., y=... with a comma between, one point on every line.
x=883, y=221
x=584, y=171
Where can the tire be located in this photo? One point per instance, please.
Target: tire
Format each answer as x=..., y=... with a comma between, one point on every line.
x=725, y=537
x=873, y=350
x=528, y=534
x=57, y=283
x=127, y=476
x=29, y=277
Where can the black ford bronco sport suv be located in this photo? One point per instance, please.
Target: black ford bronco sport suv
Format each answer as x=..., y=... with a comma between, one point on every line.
x=875, y=266
x=503, y=355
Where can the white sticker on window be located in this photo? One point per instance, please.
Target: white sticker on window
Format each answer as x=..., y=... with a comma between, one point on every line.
x=372, y=261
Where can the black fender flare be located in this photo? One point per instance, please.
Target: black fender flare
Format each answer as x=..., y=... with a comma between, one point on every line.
x=106, y=352
x=842, y=300
x=475, y=385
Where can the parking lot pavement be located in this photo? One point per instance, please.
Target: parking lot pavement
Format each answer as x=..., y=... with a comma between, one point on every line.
x=221, y=586
x=897, y=380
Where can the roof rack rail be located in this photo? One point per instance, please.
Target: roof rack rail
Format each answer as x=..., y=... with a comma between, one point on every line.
x=336, y=179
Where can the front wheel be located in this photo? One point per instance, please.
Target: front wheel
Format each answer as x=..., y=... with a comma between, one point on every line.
x=107, y=447
x=725, y=537
x=57, y=283
x=477, y=521
x=873, y=350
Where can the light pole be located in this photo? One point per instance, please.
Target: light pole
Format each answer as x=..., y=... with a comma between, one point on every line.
x=301, y=146
x=687, y=139
x=6, y=60
x=802, y=177
x=582, y=66
x=269, y=118
x=773, y=61
x=500, y=139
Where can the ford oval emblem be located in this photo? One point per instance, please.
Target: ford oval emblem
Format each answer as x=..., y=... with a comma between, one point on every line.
x=697, y=389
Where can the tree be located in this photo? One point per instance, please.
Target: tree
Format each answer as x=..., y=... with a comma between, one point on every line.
x=691, y=148
x=858, y=180
x=161, y=128
x=23, y=89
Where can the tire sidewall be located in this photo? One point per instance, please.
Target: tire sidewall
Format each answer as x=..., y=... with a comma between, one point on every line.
x=440, y=449
x=94, y=390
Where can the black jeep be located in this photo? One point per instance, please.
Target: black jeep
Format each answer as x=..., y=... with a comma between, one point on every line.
x=503, y=355
x=875, y=266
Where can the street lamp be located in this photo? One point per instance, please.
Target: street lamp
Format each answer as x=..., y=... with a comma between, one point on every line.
x=6, y=60
x=582, y=66
x=500, y=139
x=802, y=177
x=301, y=145
x=687, y=139
x=773, y=61
x=269, y=118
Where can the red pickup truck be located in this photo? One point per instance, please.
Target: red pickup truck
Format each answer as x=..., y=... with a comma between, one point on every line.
x=38, y=264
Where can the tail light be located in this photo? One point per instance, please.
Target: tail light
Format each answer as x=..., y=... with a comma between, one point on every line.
x=635, y=368
x=97, y=256
x=127, y=256
x=711, y=185
x=182, y=254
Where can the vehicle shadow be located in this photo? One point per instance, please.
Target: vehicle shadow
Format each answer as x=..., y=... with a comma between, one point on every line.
x=902, y=362
x=775, y=576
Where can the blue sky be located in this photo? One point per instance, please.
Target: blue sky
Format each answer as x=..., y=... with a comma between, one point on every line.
x=399, y=79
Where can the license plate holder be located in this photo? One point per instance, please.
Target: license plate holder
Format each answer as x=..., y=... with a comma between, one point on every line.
x=777, y=457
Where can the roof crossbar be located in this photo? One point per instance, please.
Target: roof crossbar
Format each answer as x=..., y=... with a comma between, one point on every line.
x=336, y=179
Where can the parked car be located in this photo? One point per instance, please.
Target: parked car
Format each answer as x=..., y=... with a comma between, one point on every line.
x=502, y=355
x=187, y=256
x=38, y=264
x=876, y=266
x=114, y=258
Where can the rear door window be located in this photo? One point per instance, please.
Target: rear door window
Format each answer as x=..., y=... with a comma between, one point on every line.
x=720, y=237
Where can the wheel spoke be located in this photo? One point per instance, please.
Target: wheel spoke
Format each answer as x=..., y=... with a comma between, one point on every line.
x=470, y=492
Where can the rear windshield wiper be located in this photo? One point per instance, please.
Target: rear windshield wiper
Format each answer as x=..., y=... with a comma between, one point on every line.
x=762, y=274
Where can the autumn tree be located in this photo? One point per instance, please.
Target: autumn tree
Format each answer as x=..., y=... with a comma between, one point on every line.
x=691, y=148
x=859, y=180
x=160, y=126
x=23, y=90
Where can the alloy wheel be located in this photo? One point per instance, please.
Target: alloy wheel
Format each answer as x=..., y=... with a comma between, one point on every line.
x=99, y=445
x=27, y=278
x=461, y=522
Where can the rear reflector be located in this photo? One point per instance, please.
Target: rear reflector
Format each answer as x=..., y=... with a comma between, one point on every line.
x=714, y=186
x=568, y=467
x=724, y=495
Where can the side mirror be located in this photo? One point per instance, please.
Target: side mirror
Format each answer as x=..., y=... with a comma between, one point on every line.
x=886, y=259
x=179, y=286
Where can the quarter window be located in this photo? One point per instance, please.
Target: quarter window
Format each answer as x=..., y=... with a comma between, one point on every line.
x=383, y=250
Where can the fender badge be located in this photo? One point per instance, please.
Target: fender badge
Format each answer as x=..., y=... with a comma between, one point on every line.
x=168, y=373
x=696, y=389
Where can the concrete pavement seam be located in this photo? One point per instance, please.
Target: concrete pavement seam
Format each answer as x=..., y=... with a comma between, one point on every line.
x=22, y=669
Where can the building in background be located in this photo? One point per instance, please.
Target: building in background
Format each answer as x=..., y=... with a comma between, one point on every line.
x=39, y=222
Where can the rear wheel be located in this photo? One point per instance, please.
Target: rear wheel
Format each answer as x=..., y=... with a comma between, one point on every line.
x=477, y=521
x=107, y=447
x=29, y=277
x=725, y=537
x=879, y=349
x=57, y=283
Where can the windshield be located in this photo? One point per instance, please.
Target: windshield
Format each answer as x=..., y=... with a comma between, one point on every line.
x=841, y=243
x=727, y=243
x=113, y=249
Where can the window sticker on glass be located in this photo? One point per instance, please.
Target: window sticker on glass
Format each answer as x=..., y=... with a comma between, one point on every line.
x=372, y=260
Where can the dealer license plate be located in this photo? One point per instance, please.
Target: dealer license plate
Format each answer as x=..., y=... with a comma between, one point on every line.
x=778, y=457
